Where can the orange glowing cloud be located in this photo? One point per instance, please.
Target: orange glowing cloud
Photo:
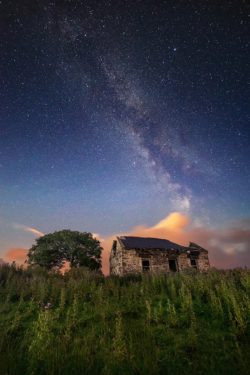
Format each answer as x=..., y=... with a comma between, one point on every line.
x=25, y=228
x=34, y=231
x=173, y=227
x=228, y=247
x=16, y=254
x=175, y=221
x=19, y=254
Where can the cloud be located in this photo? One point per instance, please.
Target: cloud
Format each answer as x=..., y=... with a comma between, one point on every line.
x=28, y=229
x=34, y=231
x=175, y=221
x=16, y=254
x=19, y=254
x=172, y=227
x=228, y=247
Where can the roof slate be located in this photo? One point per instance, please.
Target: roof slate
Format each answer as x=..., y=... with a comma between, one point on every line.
x=148, y=243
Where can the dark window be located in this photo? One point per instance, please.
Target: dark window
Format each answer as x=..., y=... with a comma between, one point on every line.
x=172, y=265
x=193, y=263
x=145, y=265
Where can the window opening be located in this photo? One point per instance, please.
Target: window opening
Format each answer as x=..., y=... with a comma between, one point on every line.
x=145, y=265
x=193, y=263
x=172, y=265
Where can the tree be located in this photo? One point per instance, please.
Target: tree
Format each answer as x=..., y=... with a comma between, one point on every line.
x=77, y=248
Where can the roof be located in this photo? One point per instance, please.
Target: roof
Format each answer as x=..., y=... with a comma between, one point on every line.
x=148, y=243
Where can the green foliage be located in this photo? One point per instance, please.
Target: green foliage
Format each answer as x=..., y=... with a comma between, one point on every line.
x=83, y=323
x=54, y=249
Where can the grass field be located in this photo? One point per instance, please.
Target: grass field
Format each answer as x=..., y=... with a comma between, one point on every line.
x=172, y=324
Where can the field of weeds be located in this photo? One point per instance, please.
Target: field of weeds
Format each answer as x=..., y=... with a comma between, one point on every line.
x=83, y=323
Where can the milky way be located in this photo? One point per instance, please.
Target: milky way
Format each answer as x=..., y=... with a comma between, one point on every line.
x=114, y=114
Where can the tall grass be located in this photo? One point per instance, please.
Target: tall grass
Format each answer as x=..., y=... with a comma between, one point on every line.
x=82, y=323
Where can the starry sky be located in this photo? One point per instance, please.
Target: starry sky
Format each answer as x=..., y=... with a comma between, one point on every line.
x=117, y=114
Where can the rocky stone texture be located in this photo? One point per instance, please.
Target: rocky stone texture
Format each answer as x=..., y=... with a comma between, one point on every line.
x=115, y=260
x=203, y=262
x=132, y=261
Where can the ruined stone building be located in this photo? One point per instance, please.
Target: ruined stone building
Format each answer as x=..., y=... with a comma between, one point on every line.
x=131, y=255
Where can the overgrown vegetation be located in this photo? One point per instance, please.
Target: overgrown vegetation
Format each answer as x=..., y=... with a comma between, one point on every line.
x=83, y=323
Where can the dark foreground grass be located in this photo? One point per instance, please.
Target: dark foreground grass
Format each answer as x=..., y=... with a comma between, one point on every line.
x=172, y=324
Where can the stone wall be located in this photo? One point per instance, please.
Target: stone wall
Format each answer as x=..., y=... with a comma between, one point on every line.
x=131, y=263
x=158, y=259
x=123, y=262
x=203, y=261
x=183, y=262
x=115, y=260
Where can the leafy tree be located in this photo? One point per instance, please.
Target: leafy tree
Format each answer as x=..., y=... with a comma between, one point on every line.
x=77, y=248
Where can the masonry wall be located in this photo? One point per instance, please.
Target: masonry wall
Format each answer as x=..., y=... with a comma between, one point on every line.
x=115, y=261
x=203, y=261
x=132, y=261
x=183, y=262
x=124, y=262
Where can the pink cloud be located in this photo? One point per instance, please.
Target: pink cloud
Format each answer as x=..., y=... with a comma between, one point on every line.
x=228, y=248
x=25, y=228
x=16, y=254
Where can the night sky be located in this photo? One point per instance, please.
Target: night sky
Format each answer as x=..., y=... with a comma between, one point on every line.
x=115, y=114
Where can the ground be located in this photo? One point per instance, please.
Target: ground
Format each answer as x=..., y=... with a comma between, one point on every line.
x=83, y=323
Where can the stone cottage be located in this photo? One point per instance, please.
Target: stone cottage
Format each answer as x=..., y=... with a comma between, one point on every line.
x=131, y=255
